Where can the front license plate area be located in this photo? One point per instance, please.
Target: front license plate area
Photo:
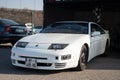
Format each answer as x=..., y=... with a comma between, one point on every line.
x=31, y=62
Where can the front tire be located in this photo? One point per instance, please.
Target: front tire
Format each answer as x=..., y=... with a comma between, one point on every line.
x=82, y=63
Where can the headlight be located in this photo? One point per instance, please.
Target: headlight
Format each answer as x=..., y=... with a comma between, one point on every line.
x=21, y=44
x=57, y=46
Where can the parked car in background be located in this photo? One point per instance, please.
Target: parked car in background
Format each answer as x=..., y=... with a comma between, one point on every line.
x=37, y=29
x=62, y=45
x=11, y=31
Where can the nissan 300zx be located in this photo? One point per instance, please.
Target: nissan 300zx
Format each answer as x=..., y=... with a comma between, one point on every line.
x=61, y=45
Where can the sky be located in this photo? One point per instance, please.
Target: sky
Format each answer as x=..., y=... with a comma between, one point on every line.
x=21, y=4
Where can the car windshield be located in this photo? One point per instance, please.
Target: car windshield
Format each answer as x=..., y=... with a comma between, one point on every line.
x=8, y=22
x=73, y=28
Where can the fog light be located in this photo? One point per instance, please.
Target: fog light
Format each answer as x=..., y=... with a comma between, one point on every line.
x=65, y=57
x=13, y=61
x=12, y=54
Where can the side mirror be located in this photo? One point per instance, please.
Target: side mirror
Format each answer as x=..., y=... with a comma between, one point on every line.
x=96, y=33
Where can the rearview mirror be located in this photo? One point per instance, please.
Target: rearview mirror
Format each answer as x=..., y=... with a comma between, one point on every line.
x=96, y=33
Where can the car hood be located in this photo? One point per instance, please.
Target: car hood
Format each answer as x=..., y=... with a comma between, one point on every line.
x=45, y=38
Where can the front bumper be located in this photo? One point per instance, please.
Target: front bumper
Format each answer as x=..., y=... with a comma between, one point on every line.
x=45, y=59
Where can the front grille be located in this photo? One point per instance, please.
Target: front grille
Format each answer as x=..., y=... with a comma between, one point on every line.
x=34, y=57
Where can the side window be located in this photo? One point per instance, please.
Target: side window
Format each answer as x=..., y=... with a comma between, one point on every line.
x=95, y=27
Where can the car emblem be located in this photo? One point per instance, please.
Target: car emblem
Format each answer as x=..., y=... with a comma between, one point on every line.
x=36, y=45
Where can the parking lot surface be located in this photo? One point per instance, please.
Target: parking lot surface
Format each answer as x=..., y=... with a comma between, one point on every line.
x=100, y=68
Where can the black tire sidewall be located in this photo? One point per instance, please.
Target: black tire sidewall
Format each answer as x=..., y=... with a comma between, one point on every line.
x=106, y=53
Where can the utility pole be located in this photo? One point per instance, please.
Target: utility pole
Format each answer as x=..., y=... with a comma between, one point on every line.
x=33, y=12
x=32, y=20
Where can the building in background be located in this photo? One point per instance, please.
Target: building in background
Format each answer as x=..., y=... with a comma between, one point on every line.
x=104, y=12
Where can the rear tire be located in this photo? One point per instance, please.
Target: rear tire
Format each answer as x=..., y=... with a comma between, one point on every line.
x=105, y=54
x=82, y=63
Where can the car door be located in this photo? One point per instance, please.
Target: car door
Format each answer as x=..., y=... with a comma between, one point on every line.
x=95, y=41
x=103, y=38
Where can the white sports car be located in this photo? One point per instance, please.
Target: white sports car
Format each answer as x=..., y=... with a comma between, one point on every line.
x=62, y=45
